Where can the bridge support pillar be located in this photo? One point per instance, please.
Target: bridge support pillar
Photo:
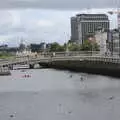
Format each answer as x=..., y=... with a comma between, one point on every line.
x=31, y=66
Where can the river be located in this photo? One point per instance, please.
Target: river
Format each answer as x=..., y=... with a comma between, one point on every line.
x=58, y=95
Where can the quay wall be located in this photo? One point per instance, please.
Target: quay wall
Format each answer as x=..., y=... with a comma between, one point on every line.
x=92, y=67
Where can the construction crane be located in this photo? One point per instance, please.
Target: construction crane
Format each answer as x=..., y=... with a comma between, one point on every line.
x=118, y=15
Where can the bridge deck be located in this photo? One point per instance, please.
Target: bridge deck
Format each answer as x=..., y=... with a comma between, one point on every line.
x=26, y=60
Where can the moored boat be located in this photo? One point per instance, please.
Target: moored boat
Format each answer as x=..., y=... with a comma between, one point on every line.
x=4, y=71
x=17, y=67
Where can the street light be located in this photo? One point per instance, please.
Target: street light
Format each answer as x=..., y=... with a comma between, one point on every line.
x=66, y=46
x=91, y=43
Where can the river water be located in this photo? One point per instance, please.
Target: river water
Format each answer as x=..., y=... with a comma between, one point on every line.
x=58, y=95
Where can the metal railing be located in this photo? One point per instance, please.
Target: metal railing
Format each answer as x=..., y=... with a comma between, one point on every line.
x=59, y=56
x=71, y=53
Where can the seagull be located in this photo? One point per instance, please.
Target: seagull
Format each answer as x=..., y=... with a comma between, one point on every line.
x=71, y=76
x=81, y=78
x=11, y=116
x=111, y=97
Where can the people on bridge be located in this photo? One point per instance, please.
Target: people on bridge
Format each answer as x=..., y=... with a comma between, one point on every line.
x=53, y=54
x=28, y=56
x=35, y=55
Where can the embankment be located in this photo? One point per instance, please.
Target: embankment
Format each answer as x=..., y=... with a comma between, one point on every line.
x=93, y=67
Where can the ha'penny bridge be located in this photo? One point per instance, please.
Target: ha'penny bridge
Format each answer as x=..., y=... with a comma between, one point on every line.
x=75, y=61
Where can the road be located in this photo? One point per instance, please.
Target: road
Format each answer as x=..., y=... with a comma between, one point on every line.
x=58, y=95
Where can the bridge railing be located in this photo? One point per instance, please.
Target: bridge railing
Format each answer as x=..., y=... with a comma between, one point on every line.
x=79, y=55
x=71, y=53
x=71, y=56
x=88, y=58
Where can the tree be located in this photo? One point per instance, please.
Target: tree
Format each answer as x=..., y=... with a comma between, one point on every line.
x=35, y=47
x=55, y=47
x=96, y=47
x=86, y=46
x=90, y=46
x=73, y=47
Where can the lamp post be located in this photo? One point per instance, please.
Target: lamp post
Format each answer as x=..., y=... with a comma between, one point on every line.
x=91, y=44
x=66, y=46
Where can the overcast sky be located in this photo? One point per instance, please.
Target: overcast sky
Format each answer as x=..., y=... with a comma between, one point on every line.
x=45, y=20
x=58, y=4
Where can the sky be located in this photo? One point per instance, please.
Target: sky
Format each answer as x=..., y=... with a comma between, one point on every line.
x=59, y=4
x=37, y=21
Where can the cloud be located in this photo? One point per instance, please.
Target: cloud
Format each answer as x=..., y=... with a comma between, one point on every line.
x=38, y=25
x=45, y=23
x=58, y=4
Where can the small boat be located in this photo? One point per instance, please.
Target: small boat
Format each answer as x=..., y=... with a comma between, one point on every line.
x=17, y=67
x=4, y=71
x=26, y=76
x=23, y=70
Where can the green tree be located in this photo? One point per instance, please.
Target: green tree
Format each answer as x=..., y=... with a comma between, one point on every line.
x=96, y=47
x=86, y=46
x=90, y=46
x=55, y=47
x=73, y=47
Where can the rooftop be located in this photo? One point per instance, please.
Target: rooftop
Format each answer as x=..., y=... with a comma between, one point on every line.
x=92, y=15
